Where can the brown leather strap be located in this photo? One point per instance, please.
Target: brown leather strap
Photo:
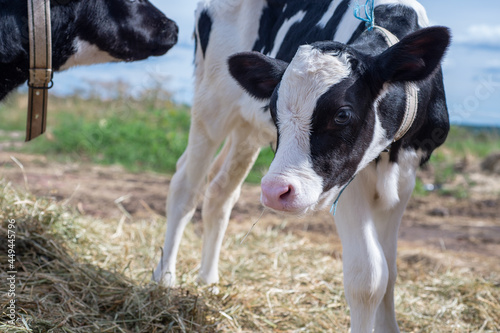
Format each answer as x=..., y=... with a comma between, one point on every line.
x=40, y=77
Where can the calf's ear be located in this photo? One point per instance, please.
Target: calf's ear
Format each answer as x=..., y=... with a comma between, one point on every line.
x=415, y=57
x=256, y=73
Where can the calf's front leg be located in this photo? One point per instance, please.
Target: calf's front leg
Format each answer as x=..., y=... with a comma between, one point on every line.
x=366, y=273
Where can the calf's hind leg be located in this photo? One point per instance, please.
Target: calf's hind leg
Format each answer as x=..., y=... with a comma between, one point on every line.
x=183, y=197
x=221, y=195
x=387, y=222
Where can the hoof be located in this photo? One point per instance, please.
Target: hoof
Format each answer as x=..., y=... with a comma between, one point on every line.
x=214, y=290
x=166, y=279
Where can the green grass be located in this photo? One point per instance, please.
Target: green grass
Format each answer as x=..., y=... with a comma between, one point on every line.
x=261, y=165
x=472, y=141
x=153, y=140
x=464, y=147
x=149, y=133
x=13, y=112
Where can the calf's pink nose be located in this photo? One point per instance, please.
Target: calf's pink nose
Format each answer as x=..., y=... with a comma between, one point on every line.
x=275, y=195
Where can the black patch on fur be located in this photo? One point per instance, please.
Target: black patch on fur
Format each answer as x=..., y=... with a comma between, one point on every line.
x=304, y=32
x=257, y=74
x=432, y=125
x=274, y=116
x=336, y=150
x=204, y=30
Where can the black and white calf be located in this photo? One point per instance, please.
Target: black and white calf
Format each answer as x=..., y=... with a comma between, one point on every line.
x=337, y=96
x=83, y=32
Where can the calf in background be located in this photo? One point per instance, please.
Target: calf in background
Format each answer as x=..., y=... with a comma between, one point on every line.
x=84, y=32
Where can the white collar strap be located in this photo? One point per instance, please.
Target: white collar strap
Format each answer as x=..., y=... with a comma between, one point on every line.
x=40, y=77
x=411, y=90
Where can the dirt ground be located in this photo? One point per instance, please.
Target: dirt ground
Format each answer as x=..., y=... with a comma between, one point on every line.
x=466, y=229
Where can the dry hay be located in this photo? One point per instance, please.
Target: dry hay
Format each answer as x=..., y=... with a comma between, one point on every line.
x=57, y=293
x=275, y=281
x=285, y=284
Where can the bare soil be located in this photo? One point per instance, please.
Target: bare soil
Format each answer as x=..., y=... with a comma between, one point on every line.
x=467, y=230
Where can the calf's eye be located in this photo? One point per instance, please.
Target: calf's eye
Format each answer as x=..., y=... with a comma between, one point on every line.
x=343, y=116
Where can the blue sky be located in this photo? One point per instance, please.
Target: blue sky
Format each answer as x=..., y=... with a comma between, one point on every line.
x=471, y=67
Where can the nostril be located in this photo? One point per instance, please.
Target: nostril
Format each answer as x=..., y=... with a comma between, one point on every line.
x=277, y=194
x=286, y=193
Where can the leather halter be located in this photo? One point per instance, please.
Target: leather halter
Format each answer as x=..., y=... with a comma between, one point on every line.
x=411, y=90
x=40, y=73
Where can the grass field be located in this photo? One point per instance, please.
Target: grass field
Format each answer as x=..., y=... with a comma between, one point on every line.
x=82, y=273
x=150, y=134
x=145, y=134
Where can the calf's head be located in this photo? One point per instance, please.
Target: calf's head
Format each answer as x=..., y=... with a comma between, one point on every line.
x=118, y=30
x=325, y=108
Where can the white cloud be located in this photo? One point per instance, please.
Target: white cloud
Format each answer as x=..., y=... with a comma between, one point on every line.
x=493, y=64
x=481, y=35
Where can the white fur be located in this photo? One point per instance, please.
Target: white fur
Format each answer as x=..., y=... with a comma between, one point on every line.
x=87, y=54
x=379, y=142
x=347, y=25
x=387, y=182
x=284, y=30
x=328, y=14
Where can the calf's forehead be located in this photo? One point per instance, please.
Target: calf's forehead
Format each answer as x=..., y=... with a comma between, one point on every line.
x=310, y=74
